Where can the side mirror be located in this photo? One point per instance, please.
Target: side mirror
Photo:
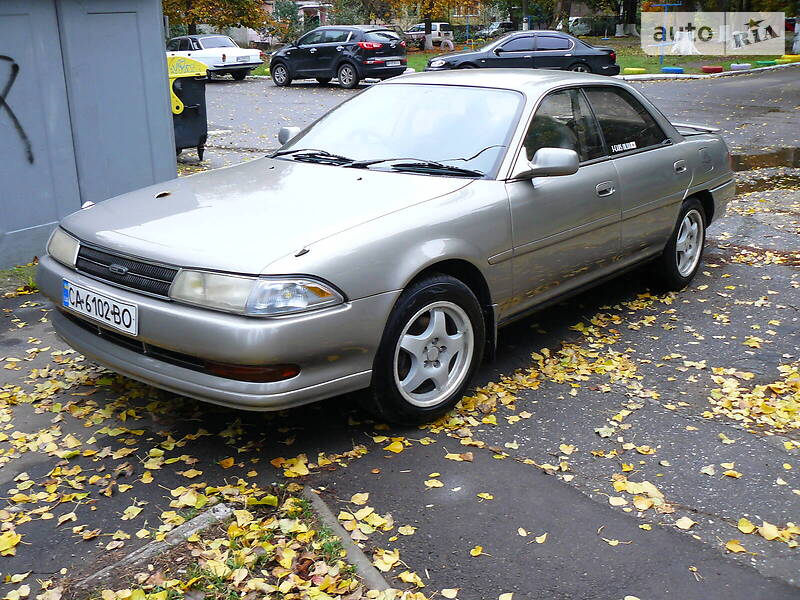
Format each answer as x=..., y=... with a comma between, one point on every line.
x=547, y=162
x=287, y=133
x=498, y=50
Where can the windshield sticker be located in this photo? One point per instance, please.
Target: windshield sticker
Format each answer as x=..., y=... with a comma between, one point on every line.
x=623, y=147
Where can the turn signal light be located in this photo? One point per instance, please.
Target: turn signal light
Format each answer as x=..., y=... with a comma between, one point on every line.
x=254, y=373
x=369, y=45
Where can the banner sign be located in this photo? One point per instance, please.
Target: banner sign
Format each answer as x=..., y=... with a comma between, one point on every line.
x=713, y=33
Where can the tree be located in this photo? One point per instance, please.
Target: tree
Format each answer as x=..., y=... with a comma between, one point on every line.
x=220, y=14
x=428, y=10
x=285, y=22
x=561, y=12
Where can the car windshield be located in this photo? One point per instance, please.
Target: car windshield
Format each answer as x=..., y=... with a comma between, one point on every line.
x=217, y=41
x=464, y=127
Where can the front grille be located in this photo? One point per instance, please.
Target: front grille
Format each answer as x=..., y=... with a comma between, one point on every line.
x=169, y=356
x=135, y=274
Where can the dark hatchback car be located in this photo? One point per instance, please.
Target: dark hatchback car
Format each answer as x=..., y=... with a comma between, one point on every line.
x=349, y=53
x=533, y=50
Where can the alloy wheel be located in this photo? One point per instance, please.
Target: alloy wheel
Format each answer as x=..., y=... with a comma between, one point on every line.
x=433, y=354
x=279, y=74
x=346, y=75
x=689, y=243
x=579, y=68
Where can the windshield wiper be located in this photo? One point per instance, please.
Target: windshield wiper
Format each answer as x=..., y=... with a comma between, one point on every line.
x=419, y=166
x=313, y=155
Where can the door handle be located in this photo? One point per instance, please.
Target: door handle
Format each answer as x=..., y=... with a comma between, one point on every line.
x=340, y=48
x=313, y=50
x=680, y=166
x=605, y=189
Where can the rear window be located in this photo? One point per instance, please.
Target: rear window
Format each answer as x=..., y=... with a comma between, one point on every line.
x=336, y=35
x=382, y=36
x=551, y=42
x=445, y=27
x=218, y=41
x=626, y=124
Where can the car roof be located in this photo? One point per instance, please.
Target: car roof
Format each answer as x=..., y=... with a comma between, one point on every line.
x=522, y=80
x=358, y=27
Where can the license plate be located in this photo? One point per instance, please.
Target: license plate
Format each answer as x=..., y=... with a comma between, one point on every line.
x=392, y=63
x=107, y=310
x=241, y=59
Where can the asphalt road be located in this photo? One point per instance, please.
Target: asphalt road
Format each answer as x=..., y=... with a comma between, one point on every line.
x=758, y=113
x=631, y=401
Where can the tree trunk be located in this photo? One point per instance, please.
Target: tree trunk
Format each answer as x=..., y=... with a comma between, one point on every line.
x=561, y=12
x=192, y=28
x=629, y=17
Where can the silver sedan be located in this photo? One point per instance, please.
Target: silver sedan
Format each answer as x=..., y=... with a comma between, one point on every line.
x=383, y=246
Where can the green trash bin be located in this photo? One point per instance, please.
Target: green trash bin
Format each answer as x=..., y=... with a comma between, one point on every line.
x=187, y=88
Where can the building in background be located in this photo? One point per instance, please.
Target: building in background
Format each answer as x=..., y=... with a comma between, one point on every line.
x=86, y=112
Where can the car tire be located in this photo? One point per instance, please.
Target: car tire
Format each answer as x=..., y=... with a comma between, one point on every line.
x=280, y=75
x=416, y=377
x=580, y=67
x=680, y=260
x=239, y=75
x=347, y=76
x=323, y=80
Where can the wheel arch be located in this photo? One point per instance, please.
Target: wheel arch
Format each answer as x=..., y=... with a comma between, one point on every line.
x=707, y=202
x=473, y=278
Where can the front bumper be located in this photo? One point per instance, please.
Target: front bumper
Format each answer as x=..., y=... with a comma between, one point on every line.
x=334, y=347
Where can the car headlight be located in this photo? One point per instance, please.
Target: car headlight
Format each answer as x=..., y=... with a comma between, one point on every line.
x=438, y=62
x=63, y=247
x=254, y=296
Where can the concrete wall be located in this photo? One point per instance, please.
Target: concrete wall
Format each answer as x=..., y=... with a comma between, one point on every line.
x=84, y=111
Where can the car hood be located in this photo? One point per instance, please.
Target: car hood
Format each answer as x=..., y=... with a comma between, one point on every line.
x=242, y=218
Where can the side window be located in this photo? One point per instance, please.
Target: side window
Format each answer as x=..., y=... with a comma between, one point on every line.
x=563, y=120
x=519, y=44
x=183, y=44
x=552, y=42
x=625, y=123
x=172, y=45
x=335, y=35
x=315, y=37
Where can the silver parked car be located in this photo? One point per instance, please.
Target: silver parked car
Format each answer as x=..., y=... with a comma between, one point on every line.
x=384, y=245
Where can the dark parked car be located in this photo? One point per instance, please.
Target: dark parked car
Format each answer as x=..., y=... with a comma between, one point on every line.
x=534, y=50
x=348, y=52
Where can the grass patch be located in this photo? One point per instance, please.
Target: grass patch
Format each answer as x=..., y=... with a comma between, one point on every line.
x=262, y=70
x=278, y=551
x=19, y=280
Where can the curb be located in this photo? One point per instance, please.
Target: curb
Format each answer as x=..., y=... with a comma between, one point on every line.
x=362, y=564
x=217, y=513
x=662, y=76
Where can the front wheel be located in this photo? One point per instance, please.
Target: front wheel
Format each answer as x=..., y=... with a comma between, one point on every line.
x=347, y=75
x=432, y=344
x=680, y=260
x=280, y=75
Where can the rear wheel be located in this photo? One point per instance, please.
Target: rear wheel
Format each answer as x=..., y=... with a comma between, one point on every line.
x=580, y=67
x=347, y=75
x=280, y=75
x=323, y=80
x=239, y=75
x=432, y=344
x=680, y=259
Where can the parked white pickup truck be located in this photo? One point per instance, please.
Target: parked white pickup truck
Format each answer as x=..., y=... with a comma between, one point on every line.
x=219, y=53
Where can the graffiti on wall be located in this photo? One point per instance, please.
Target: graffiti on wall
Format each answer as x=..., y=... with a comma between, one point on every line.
x=5, y=107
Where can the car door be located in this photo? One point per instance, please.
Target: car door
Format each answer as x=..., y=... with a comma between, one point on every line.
x=654, y=174
x=516, y=52
x=553, y=51
x=304, y=57
x=328, y=52
x=566, y=230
